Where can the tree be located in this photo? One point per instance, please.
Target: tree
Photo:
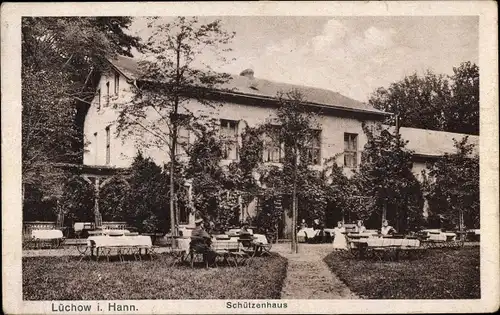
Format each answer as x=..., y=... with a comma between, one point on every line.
x=431, y=101
x=114, y=197
x=338, y=190
x=463, y=110
x=418, y=102
x=61, y=59
x=296, y=130
x=386, y=176
x=215, y=188
x=77, y=201
x=147, y=202
x=170, y=82
x=453, y=187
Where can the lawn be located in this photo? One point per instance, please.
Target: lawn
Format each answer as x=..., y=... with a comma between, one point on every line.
x=438, y=274
x=61, y=278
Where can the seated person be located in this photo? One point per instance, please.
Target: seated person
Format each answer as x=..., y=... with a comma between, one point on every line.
x=201, y=241
x=244, y=229
x=360, y=227
x=303, y=224
x=245, y=235
x=387, y=229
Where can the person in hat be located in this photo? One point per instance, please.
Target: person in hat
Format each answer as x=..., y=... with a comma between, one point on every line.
x=244, y=229
x=387, y=229
x=201, y=241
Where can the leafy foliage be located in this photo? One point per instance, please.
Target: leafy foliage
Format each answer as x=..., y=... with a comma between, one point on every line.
x=113, y=199
x=453, y=186
x=147, y=202
x=77, y=201
x=386, y=176
x=463, y=110
x=170, y=82
x=339, y=192
x=438, y=102
x=214, y=190
x=61, y=61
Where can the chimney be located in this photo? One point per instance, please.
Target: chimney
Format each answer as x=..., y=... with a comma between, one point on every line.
x=247, y=73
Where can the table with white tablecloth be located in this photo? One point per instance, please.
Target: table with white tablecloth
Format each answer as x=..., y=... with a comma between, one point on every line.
x=104, y=244
x=46, y=234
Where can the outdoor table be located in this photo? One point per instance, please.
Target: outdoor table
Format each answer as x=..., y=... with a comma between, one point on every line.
x=101, y=243
x=230, y=249
x=55, y=237
x=383, y=246
x=153, y=236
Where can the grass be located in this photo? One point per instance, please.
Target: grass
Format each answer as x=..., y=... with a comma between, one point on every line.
x=438, y=274
x=61, y=278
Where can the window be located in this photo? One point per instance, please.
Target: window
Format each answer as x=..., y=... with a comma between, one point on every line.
x=117, y=83
x=313, y=148
x=108, y=146
x=229, y=139
x=182, y=140
x=273, y=148
x=351, y=150
x=98, y=99
x=107, y=93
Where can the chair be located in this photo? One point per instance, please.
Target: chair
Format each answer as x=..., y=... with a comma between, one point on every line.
x=221, y=249
x=198, y=247
x=262, y=244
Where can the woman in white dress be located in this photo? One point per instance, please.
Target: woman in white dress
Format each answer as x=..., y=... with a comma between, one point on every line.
x=339, y=241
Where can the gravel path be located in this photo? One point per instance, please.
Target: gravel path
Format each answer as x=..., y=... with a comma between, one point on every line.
x=308, y=277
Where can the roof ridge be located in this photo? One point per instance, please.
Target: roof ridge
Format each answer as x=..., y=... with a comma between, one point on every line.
x=129, y=66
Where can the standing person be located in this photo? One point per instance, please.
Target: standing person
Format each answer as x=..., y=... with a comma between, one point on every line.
x=360, y=227
x=387, y=229
x=201, y=241
x=339, y=241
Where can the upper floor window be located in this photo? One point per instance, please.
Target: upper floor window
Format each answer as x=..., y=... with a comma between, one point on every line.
x=107, y=93
x=117, y=83
x=351, y=150
x=182, y=140
x=313, y=148
x=98, y=99
x=274, y=150
x=229, y=139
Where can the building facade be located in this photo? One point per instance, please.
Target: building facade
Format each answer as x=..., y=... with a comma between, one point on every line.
x=250, y=102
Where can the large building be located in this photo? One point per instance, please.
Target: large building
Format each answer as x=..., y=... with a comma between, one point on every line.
x=249, y=101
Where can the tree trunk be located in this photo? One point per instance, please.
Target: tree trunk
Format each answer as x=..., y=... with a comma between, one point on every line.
x=295, y=248
x=173, y=229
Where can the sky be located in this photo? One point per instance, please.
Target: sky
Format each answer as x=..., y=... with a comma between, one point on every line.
x=350, y=55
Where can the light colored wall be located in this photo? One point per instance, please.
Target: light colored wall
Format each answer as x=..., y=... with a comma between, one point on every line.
x=124, y=150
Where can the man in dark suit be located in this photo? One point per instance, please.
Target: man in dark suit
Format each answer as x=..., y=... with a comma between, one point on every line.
x=201, y=241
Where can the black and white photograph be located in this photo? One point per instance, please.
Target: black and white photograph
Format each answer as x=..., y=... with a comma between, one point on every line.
x=254, y=160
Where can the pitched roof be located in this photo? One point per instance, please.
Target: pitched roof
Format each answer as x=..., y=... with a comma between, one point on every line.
x=245, y=85
x=434, y=143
